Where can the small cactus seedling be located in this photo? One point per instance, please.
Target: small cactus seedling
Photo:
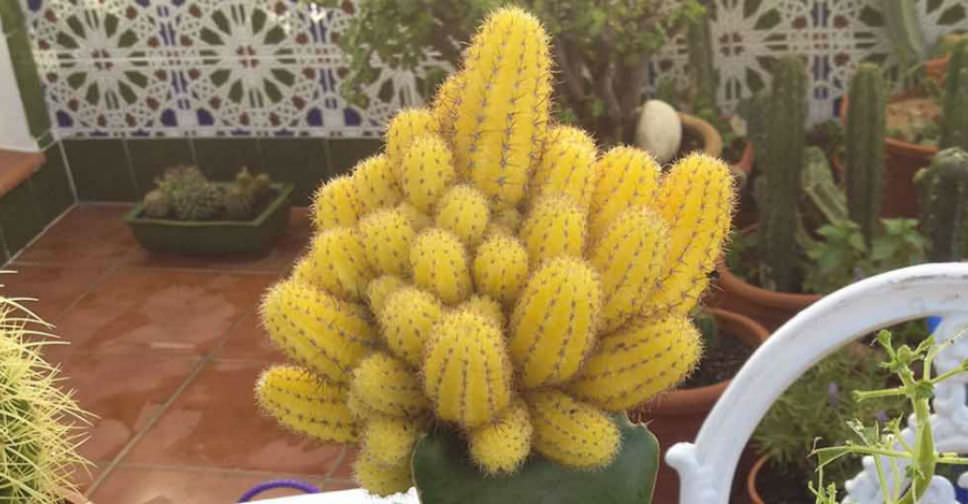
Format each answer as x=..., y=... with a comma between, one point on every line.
x=484, y=274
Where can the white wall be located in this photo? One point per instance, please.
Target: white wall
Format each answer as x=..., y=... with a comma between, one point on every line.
x=14, y=131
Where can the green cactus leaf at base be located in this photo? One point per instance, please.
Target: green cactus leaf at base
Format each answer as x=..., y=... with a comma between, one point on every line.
x=444, y=474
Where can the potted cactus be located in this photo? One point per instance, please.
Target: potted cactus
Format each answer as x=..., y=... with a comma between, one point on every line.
x=189, y=214
x=944, y=204
x=485, y=300
x=798, y=252
x=40, y=426
x=918, y=129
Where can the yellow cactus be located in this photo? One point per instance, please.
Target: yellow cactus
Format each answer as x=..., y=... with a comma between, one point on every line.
x=325, y=334
x=379, y=479
x=407, y=320
x=445, y=107
x=336, y=263
x=553, y=324
x=439, y=264
x=374, y=184
x=504, y=221
x=571, y=432
x=463, y=211
x=696, y=201
x=634, y=365
x=487, y=308
x=418, y=220
x=336, y=204
x=306, y=404
x=494, y=273
x=467, y=374
x=555, y=227
x=389, y=440
x=567, y=166
x=380, y=289
x=426, y=172
x=504, y=107
x=626, y=177
x=386, y=385
x=630, y=257
x=501, y=267
x=405, y=128
x=502, y=446
x=387, y=236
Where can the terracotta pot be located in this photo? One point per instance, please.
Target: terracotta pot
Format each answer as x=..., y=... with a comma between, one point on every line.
x=902, y=161
x=770, y=308
x=937, y=68
x=751, y=489
x=677, y=415
x=712, y=141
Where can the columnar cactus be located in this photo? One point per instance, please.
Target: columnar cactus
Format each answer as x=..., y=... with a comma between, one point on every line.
x=486, y=299
x=39, y=424
x=783, y=151
x=944, y=204
x=705, y=80
x=866, y=125
x=954, y=121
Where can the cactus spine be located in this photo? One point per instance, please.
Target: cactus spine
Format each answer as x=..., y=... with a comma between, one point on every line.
x=954, y=121
x=784, y=164
x=866, y=125
x=944, y=204
x=516, y=255
x=467, y=374
x=307, y=404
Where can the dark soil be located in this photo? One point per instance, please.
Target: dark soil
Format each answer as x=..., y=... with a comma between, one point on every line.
x=783, y=487
x=720, y=362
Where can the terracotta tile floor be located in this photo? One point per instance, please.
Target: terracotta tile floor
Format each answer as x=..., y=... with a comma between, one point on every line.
x=165, y=351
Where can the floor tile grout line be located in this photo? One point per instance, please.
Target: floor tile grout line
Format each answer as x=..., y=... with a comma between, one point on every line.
x=151, y=423
x=39, y=235
x=336, y=466
x=224, y=470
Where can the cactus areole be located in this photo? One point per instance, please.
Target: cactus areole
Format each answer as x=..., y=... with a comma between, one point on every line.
x=483, y=301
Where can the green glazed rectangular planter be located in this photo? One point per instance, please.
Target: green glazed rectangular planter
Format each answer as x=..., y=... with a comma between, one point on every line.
x=255, y=236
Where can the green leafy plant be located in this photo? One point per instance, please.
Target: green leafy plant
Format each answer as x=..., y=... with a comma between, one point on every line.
x=842, y=256
x=816, y=409
x=913, y=368
x=40, y=425
x=601, y=49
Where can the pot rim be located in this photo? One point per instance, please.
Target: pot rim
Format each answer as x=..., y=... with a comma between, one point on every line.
x=751, y=490
x=712, y=141
x=685, y=401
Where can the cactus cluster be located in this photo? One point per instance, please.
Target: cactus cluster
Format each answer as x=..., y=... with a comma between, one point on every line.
x=492, y=272
x=184, y=193
x=944, y=204
x=866, y=129
x=39, y=424
x=954, y=121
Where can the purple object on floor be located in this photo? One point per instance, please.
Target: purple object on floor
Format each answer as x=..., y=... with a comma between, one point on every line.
x=283, y=483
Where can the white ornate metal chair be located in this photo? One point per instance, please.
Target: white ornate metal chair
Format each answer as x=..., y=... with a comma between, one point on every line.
x=706, y=466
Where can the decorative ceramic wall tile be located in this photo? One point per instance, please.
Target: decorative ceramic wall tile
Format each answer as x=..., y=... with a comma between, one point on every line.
x=129, y=68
